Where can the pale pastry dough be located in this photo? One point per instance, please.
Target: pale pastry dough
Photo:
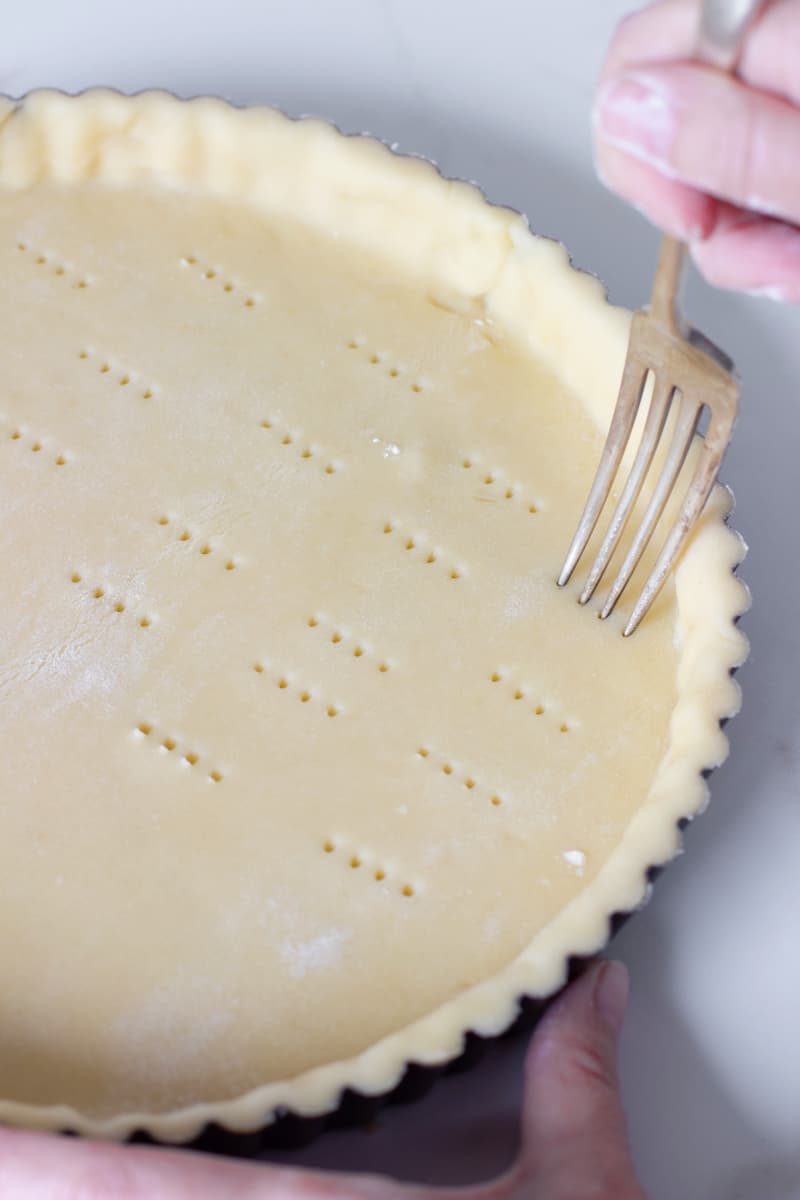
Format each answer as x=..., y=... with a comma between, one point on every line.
x=306, y=765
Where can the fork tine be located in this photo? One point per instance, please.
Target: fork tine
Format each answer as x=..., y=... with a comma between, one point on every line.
x=634, y=377
x=702, y=482
x=681, y=440
x=651, y=435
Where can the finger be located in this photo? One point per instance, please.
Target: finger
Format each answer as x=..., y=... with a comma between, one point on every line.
x=36, y=1166
x=574, y=1136
x=667, y=31
x=706, y=129
x=752, y=253
x=681, y=210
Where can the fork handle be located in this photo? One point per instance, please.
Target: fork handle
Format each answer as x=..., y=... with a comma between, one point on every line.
x=724, y=24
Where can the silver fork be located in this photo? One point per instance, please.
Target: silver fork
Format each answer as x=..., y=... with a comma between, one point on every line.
x=687, y=371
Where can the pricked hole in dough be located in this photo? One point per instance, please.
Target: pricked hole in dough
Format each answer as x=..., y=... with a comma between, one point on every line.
x=380, y=875
x=16, y=435
x=190, y=260
x=230, y=565
x=209, y=274
x=249, y=302
x=374, y=358
x=60, y=461
x=41, y=260
x=447, y=769
x=258, y=668
x=119, y=607
x=59, y=271
x=191, y=758
x=147, y=394
x=144, y=622
x=124, y=380
x=332, y=711
x=205, y=548
x=355, y=862
x=383, y=667
x=185, y=536
x=407, y=890
x=467, y=464
x=488, y=479
x=163, y=520
x=469, y=784
x=104, y=368
x=22, y=246
x=83, y=354
x=495, y=677
x=455, y=573
x=228, y=287
x=509, y=493
x=388, y=527
x=430, y=558
x=358, y=652
x=82, y=283
x=532, y=508
x=75, y=577
x=394, y=373
x=98, y=593
x=330, y=469
x=144, y=728
x=312, y=622
x=286, y=440
x=564, y=728
x=266, y=424
x=36, y=447
x=409, y=545
x=519, y=694
x=336, y=637
x=307, y=453
x=328, y=847
x=496, y=801
x=283, y=683
x=351, y=345
x=215, y=776
x=539, y=710
x=423, y=752
x=305, y=697
x=169, y=744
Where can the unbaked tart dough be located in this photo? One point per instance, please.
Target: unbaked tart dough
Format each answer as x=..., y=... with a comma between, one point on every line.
x=307, y=767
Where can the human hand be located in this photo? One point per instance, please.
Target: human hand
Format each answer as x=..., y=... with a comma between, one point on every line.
x=712, y=159
x=574, y=1144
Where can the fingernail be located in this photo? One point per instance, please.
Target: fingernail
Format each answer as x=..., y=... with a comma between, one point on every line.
x=635, y=114
x=611, y=993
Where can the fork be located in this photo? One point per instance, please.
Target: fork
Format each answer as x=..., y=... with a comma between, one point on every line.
x=688, y=373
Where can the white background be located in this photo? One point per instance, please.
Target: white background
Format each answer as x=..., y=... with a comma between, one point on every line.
x=499, y=91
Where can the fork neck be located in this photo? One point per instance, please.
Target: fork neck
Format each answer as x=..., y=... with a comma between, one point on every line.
x=667, y=282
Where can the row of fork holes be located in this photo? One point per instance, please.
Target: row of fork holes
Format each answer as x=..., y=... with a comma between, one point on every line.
x=376, y=359
x=410, y=544
x=468, y=782
x=99, y=593
x=490, y=479
x=306, y=452
x=303, y=694
x=210, y=273
x=205, y=549
x=337, y=638
x=42, y=260
x=36, y=447
x=520, y=694
x=169, y=744
x=124, y=379
x=378, y=874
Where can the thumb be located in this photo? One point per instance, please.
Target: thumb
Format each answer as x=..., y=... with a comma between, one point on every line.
x=574, y=1135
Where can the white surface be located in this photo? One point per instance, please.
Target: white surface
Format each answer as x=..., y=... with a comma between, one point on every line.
x=500, y=92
